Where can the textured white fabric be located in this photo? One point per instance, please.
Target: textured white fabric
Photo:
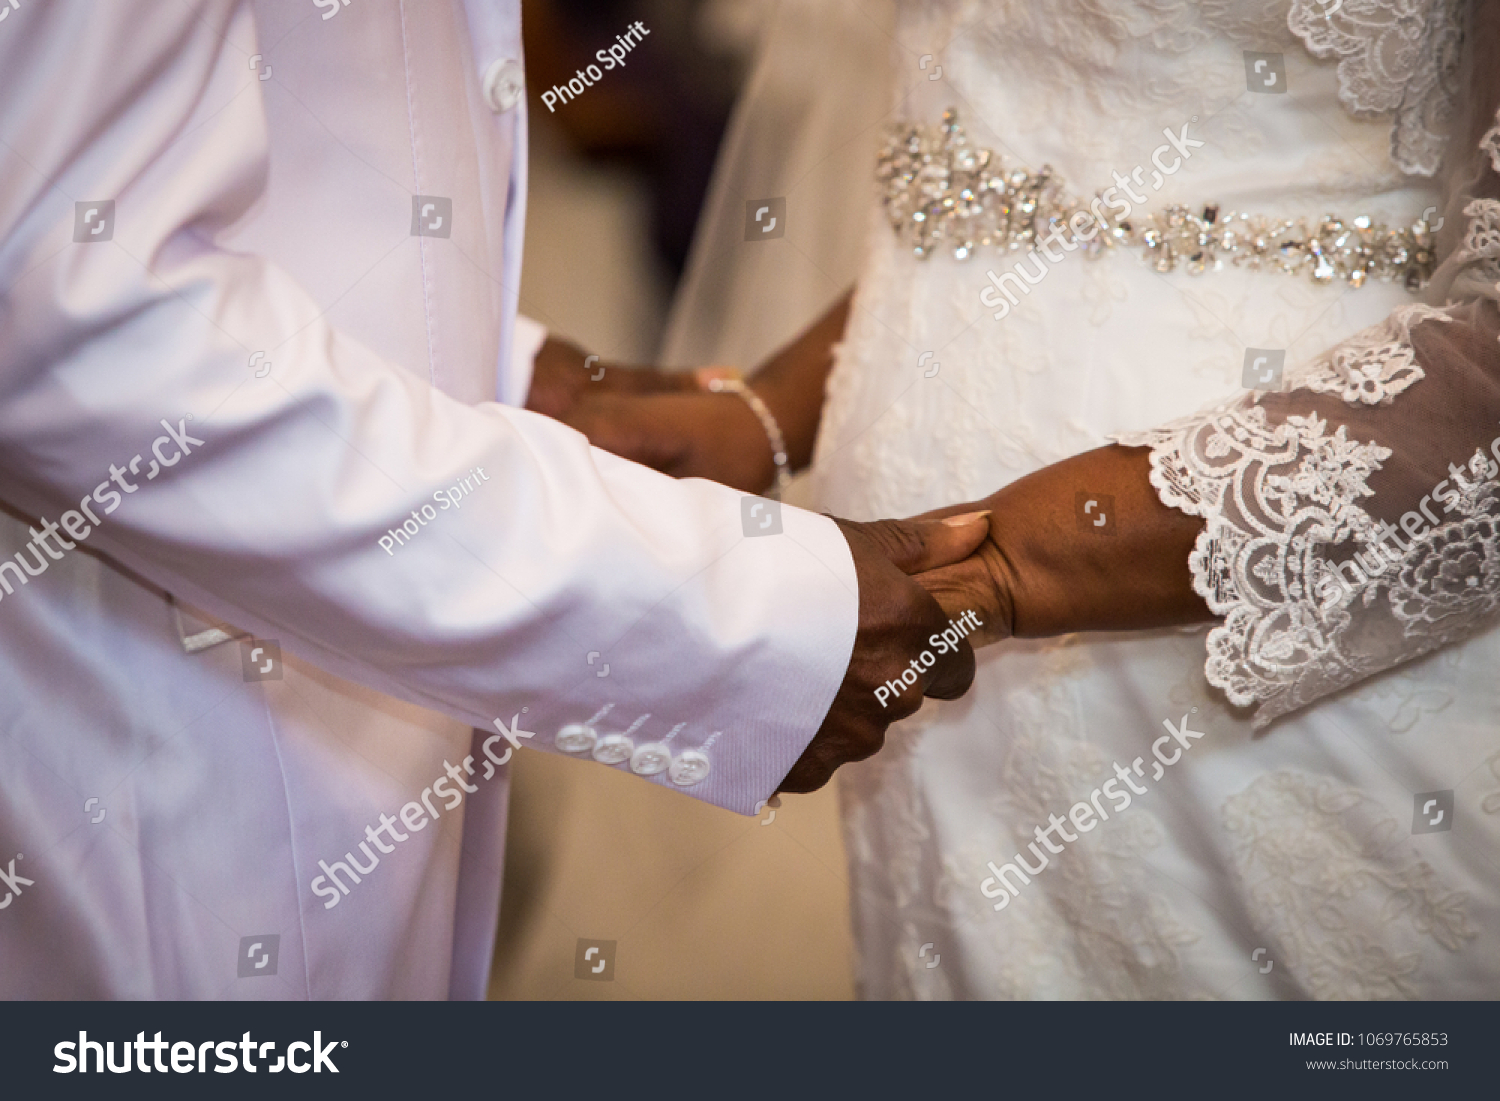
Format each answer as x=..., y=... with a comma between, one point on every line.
x=1398, y=57
x=263, y=162
x=1275, y=866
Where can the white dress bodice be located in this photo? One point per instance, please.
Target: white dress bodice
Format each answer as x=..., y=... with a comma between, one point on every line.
x=1296, y=847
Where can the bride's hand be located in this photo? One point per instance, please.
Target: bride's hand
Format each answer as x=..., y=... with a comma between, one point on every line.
x=1051, y=565
x=687, y=435
x=662, y=418
x=980, y=584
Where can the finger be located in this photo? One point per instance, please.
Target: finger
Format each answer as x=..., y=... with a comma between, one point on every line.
x=917, y=545
x=953, y=675
x=951, y=587
x=959, y=591
x=806, y=775
x=947, y=511
x=831, y=749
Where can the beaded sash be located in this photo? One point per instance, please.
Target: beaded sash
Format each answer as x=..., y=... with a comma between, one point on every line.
x=939, y=192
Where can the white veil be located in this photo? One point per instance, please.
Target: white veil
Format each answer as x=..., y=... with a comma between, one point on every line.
x=806, y=128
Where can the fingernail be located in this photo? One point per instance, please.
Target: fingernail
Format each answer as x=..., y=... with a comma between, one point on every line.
x=967, y=518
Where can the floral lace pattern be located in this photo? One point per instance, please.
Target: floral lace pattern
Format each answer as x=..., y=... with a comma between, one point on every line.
x=1083, y=936
x=1481, y=245
x=1490, y=144
x=1449, y=584
x=1325, y=875
x=1097, y=889
x=1396, y=57
x=1368, y=371
x=1083, y=357
x=1372, y=366
x=1313, y=599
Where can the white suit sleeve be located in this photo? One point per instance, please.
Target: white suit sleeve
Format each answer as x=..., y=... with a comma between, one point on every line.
x=481, y=561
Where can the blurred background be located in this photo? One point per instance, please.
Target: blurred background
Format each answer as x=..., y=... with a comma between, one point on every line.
x=635, y=250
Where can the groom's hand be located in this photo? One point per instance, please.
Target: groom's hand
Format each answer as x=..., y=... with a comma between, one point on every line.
x=896, y=619
x=565, y=378
x=690, y=434
x=982, y=583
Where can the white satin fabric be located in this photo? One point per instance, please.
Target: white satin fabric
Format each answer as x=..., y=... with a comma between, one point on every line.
x=170, y=815
x=1278, y=866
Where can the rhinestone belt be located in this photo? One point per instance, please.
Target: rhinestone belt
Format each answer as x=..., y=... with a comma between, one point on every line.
x=940, y=192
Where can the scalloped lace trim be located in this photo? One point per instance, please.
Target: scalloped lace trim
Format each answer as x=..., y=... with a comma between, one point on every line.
x=1490, y=143
x=1398, y=57
x=1481, y=244
x=1313, y=597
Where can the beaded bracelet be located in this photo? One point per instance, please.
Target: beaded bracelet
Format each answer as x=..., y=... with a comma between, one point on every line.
x=728, y=380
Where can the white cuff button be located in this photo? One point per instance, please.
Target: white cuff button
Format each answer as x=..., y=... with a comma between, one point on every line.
x=613, y=748
x=650, y=759
x=504, y=83
x=691, y=767
x=575, y=738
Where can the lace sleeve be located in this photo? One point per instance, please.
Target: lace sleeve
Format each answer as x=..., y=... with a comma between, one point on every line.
x=1352, y=521
x=1396, y=57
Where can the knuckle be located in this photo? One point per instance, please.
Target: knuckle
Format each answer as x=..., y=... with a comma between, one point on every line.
x=904, y=545
x=805, y=777
x=872, y=743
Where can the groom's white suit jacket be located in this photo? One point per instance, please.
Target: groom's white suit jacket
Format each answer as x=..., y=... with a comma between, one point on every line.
x=260, y=387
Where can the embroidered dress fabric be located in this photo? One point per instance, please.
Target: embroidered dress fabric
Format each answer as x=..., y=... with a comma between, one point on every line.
x=1351, y=549
x=1353, y=521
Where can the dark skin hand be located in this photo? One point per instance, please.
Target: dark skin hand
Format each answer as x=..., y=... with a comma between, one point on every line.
x=896, y=618
x=1042, y=571
x=1038, y=569
x=563, y=377
x=1039, y=573
x=693, y=434
x=662, y=420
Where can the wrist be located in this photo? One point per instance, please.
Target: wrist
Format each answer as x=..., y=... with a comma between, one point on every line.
x=772, y=450
x=793, y=381
x=1069, y=566
x=781, y=407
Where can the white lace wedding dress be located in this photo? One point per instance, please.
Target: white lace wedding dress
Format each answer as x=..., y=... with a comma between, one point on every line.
x=1350, y=848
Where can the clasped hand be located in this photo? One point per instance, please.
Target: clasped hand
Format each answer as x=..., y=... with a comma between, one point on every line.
x=914, y=576
x=898, y=617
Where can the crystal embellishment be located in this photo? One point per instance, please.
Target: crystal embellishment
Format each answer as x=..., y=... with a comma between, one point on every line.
x=940, y=192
